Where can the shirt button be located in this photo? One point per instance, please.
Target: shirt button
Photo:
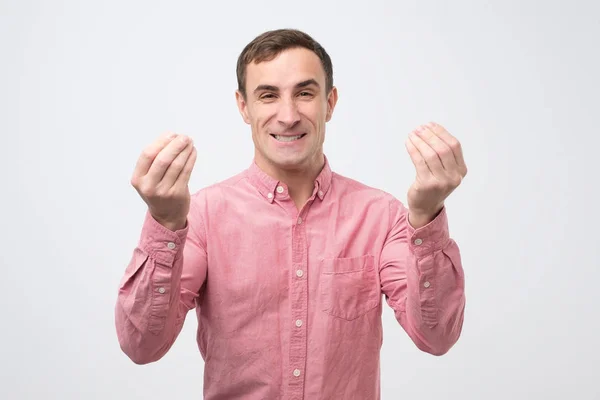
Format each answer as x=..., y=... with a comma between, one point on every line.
x=299, y=273
x=418, y=242
x=299, y=220
x=320, y=193
x=298, y=323
x=279, y=189
x=427, y=284
x=161, y=290
x=270, y=195
x=296, y=372
x=171, y=245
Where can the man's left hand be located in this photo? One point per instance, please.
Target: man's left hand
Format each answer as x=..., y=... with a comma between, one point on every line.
x=440, y=166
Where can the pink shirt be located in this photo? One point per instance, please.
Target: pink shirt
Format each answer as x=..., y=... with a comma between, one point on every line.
x=289, y=302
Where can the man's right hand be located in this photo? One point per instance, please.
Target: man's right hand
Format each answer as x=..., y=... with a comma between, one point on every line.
x=161, y=178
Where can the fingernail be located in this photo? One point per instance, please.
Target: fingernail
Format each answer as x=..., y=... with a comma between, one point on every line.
x=183, y=139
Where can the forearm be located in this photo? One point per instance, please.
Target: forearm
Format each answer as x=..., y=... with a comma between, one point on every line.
x=435, y=299
x=149, y=313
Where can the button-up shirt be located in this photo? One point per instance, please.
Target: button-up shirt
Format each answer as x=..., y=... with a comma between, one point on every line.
x=288, y=300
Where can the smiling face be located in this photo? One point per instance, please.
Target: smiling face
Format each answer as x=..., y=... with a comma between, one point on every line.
x=287, y=107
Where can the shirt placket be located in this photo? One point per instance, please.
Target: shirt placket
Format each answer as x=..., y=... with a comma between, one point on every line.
x=299, y=307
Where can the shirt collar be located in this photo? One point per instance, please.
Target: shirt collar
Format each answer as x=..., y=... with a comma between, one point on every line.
x=270, y=187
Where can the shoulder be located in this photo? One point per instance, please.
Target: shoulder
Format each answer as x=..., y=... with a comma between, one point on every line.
x=216, y=189
x=352, y=189
x=216, y=197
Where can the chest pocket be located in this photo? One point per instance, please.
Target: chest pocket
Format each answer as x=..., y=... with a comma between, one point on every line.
x=349, y=286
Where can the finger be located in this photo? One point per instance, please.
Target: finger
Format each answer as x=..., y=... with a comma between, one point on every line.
x=421, y=167
x=164, y=159
x=176, y=166
x=452, y=142
x=443, y=151
x=149, y=154
x=186, y=172
x=429, y=155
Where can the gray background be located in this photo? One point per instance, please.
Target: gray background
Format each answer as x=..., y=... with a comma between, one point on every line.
x=84, y=86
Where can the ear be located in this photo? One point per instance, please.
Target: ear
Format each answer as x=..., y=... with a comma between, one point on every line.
x=242, y=106
x=331, y=102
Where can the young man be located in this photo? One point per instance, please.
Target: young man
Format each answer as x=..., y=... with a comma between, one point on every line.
x=286, y=262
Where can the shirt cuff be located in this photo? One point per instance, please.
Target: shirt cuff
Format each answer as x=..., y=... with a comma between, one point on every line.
x=160, y=243
x=429, y=238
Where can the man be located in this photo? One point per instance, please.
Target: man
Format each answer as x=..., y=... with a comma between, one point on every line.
x=286, y=262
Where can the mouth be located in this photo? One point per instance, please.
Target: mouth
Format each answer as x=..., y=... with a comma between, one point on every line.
x=282, y=138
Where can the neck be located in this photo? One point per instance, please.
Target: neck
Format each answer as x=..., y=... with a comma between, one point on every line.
x=300, y=181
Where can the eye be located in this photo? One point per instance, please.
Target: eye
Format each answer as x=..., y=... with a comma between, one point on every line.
x=267, y=96
x=305, y=94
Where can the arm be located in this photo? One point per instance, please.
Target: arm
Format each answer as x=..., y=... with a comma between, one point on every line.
x=160, y=285
x=423, y=280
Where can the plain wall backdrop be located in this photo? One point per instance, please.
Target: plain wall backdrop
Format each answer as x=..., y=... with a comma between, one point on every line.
x=85, y=86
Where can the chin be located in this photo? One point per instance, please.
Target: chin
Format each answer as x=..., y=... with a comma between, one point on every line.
x=290, y=162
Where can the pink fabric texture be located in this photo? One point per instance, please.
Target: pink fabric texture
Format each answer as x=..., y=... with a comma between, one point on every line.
x=289, y=302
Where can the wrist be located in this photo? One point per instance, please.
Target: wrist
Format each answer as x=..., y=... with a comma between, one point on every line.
x=418, y=219
x=175, y=226
x=172, y=225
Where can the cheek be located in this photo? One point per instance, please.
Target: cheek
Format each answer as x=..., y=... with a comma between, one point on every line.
x=254, y=119
x=319, y=118
x=315, y=115
x=261, y=117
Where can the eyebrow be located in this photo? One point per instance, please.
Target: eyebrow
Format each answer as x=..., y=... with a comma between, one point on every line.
x=299, y=85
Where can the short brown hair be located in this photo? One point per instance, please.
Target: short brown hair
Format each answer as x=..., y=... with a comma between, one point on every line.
x=270, y=44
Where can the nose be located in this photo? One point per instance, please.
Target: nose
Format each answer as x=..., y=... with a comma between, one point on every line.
x=288, y=114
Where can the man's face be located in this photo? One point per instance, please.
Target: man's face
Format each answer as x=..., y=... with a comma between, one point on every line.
x=287, y=107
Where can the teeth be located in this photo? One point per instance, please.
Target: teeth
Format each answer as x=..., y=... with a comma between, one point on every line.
x=287, y=138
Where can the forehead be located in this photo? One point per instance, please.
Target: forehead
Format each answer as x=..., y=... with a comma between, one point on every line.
x=286, y=70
